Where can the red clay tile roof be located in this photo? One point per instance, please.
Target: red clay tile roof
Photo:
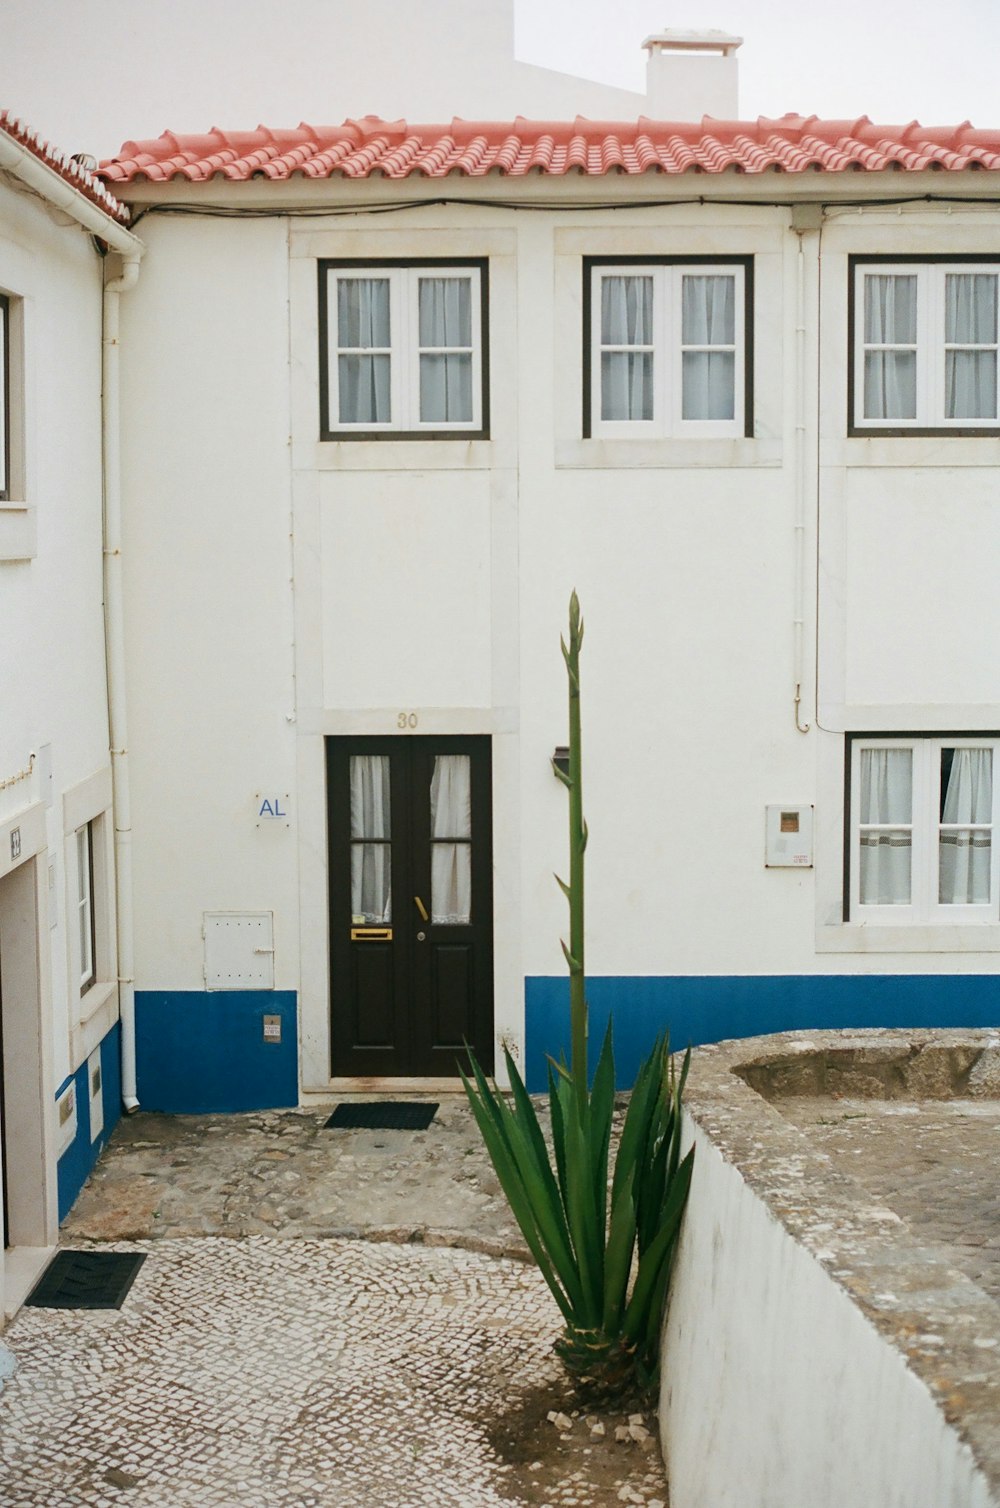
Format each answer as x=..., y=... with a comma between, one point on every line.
x=85, y=183
x=394, y=149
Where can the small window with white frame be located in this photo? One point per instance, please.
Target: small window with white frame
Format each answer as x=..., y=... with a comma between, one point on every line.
x=925, y=347
x=922, y=816
x=85, y=906
x=403, y=350
x=666, y=348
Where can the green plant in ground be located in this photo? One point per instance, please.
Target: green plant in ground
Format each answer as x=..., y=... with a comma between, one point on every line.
x=605, y=1254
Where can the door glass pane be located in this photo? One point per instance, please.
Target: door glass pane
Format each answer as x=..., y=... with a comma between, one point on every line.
x=451, y=833
x=965, y=851
x=371, y=861
x=886, y=797
x=371, y=884
x=370, y=796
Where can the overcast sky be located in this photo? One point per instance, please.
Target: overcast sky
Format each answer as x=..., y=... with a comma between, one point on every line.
x=937, y=61
x=88, y=73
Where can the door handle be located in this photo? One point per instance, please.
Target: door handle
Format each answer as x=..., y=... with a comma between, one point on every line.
x=424, y=916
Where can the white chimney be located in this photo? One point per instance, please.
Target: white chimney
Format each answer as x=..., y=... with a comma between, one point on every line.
x=692, y=73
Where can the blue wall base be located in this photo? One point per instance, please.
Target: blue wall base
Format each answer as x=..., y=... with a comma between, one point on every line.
x=710, y=1009
x=199, y=1051
x=81, y=1154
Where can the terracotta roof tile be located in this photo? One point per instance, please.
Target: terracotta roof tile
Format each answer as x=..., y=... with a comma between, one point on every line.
x=86, y=183
x=395, y=149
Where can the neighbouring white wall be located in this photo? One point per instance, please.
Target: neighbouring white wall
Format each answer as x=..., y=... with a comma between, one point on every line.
x=51, y=589
x=208, y=565
x=776, y=1390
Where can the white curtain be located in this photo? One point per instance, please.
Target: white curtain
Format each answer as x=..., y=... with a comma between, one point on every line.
x=886, y=798
x=451, y=820
x=708, y=318
x=965, y=854
x=890, y=320
x=363, y=324
x=970, y=320
x=445, y=319
x=371, y=862
x=626, y=320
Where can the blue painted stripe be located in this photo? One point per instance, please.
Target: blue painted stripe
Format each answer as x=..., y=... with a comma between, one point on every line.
x=199, y=1051
x=710, y=1009
x=81, y=1154
x=67, y=1081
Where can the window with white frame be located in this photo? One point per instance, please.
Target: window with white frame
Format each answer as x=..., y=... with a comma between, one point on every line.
x=666, y=348
x=404, y=350
x=922, y=817
x=925, y=346
x=85, y=905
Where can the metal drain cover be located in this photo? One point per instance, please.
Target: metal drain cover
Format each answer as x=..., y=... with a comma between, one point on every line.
x=86, y=1280
x=383, y=1115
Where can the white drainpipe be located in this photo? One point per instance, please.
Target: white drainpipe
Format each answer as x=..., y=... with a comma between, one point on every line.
x=114, y=630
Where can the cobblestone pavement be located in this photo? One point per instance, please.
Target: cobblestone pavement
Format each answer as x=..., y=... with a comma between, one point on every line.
x=933, y=1162
x=248, y=1369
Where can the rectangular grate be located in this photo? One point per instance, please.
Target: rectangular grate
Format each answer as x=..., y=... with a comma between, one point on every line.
x=383, y=1115
x=86, y=1280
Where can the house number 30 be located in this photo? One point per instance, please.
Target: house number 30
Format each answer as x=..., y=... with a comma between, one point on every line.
x=407, y=720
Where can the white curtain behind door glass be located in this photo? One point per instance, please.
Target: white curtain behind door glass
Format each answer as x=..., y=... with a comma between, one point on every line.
x=886, y=797
x=708, y=318
x=445, y=319
x=964, y=876
x=970, y=320
x=451, y=818
x=371, y=862
x=626, y=320
x=890, y=320
x=363, y=324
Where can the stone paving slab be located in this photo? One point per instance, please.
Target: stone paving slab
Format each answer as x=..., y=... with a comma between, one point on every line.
x=270, y=1374
x=283, y=1173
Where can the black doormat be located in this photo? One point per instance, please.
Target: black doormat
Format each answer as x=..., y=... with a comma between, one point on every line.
x=86, y=1280
x=383, y=1115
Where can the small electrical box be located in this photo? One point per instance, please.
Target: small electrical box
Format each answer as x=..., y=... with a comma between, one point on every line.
x=239, y=950
x=96, y=1094
x=789, y=837
x=66, y=1113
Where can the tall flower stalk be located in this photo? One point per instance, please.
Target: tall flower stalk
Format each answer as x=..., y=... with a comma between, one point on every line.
x=605, y=1252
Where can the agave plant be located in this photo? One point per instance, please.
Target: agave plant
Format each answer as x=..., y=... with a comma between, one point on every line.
x=605, y=1253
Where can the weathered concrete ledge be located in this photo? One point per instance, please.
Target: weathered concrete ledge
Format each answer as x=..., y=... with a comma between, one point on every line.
x=815, y=1351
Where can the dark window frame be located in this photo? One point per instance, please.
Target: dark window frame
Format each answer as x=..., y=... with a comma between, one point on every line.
x=857, y=428
x=746, y=262
x=938, y=735
x=341, y=436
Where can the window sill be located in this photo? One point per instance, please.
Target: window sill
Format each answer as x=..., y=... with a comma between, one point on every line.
x=854, y=937
x=623, y=455
x=18, y=538
x=98, y=1014
x=458, y=454
x=917, y=449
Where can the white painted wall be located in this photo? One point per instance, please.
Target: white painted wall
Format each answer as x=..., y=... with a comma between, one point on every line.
x=776, y=1389
x=208, y=563
x=51, y=590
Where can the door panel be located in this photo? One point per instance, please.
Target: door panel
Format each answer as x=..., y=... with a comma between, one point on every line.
x=411, y=905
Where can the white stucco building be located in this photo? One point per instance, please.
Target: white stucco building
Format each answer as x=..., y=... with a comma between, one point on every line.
x=389, y=392
x=59, y=998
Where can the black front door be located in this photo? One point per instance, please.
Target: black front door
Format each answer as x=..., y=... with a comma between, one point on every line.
x=411, y=905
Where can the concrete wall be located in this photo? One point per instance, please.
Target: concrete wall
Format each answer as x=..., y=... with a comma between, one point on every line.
x=776, y=1389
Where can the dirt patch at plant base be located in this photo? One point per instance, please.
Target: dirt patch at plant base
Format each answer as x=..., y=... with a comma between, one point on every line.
x=558, y=1452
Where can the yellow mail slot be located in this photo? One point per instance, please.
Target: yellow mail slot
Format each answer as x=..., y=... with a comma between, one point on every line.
x=371, y=934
